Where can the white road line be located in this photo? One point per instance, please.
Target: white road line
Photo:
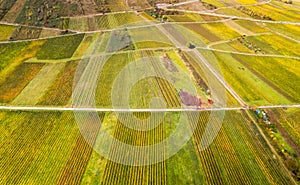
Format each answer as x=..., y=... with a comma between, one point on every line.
x=91, y=109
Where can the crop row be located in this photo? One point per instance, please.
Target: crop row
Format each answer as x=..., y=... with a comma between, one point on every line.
x=228, y=154
x=108, y=21
x=59, y=93
x=24, y=150
x=122, y=174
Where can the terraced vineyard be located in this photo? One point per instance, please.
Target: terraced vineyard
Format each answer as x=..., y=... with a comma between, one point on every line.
x=149, y=92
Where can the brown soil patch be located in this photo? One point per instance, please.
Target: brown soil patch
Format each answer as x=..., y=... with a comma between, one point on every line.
x=203, y=32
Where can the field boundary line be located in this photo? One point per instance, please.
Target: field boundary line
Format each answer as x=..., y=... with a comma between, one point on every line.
x=191, y=109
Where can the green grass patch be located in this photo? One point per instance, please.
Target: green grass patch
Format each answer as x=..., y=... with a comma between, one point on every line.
x=247, y=84
x=284, y=77
x=60, y=47
x=13, y=54
x=8, y=52
x=6, y=31
x=151, y=44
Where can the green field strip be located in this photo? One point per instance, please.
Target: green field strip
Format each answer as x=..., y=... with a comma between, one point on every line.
x=254, y=149
x=36, y=88
x=60, y=47
x=180, y=18
x=239, y=29
x=184, y=167
x=169, y=92
x=232, y=12
x=205, y=34
x=253, y=26
x=6, y=31
x=150, y=37
x=113, y=66
x=77, y=23
x=9, y=53
x=13, y=54
x=237, y=46
x=8, y=124
x=148, y=174
x=277, y=44
x=286, y=6
x=100, y=22
x=95, y=168
x=289, y=122
x=276, y=13
x=49, y=33
x=214, y=2
x=46, y=150
x=282, y=80
x=75, y=167
x=189, y=35
x=221, y=30
x=288, y=30
x=85, y=45
x=227, y=46
x=208, y=161
x=248, y=85
x=60, y=92
x=17, y=81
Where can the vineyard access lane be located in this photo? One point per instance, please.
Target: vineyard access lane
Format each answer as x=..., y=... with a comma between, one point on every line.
x=86, y=109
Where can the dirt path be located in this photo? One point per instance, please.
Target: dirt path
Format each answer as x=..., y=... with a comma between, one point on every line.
x=94, y=109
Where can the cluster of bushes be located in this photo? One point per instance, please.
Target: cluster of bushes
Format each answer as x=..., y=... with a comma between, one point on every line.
x=287, y=1
x=103, y=6
x=23, y=33
x=208, y=6
x=289, y=157
x=161, y=14
x=248, y=44
x=253, y=14
x=5, y=6
x=41, y=13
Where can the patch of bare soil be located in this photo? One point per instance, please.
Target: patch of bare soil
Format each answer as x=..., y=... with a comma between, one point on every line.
x=189, y=99
x=196, y=6
x=138, y=4
x=167, y=62
x=82, y=7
